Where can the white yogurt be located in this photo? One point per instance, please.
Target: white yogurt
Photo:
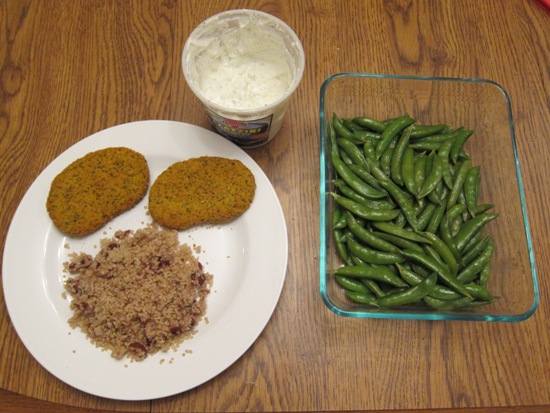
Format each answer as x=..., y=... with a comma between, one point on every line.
x=243, y=65
x=245, y=68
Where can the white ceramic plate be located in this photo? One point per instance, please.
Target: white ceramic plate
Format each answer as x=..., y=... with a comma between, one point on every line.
x=248, y=258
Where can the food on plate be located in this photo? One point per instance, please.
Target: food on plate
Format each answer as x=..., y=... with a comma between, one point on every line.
x=205, y=189
x=407, y=221
x=94, y=189
x=142, y=293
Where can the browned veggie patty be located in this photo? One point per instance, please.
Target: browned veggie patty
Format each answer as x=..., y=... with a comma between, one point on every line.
x=200, y=190
x=96, y=188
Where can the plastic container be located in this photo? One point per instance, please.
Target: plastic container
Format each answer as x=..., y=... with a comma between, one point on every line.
x=244, y=65
x=477, y=104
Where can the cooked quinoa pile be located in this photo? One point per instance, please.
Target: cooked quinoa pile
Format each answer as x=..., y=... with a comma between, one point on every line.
x=143, y=292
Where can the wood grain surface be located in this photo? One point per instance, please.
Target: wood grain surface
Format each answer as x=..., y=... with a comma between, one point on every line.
x=69, y=68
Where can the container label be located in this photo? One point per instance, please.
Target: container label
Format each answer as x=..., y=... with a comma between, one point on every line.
x=245, y=133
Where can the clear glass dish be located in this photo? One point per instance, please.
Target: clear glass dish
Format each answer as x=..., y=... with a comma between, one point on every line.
x=477, y=104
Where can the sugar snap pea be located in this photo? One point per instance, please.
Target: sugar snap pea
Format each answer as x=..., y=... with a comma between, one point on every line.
x=472, y=227
x=353, y=180
x=351, y=149
x=397, y=156
x=368, y=237
x=458, y=184
x=360, y=297
x=352, y=284
x=443, y=272
x=471, y=189
x=340, y=129
x=374, y=273
x=434, y=177
x=371, y=256
x=364, y=211
x=400, y=232
x=370, y=123
x=391, y=131
x=409, y=295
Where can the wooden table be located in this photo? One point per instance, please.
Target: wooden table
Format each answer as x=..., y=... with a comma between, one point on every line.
x=69, y=68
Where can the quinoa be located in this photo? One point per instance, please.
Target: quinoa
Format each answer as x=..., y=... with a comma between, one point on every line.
x=142, y=292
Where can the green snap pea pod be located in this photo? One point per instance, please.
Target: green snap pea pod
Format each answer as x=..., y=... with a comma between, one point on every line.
x=397, y=156
x=440, y=292
x=396, y=193
x=419, y=269
x=432, y=253
x=470, y=254
x=448, y=174
x=345, y=173
x=379, y=274
x=471, y=228
x=400, y=232
x=442, y=271
x=423, y=219
x=472, y=241
x=443, y=251
x=423, y=131
x=445, y=149
x=479, y=292
x=436, y=218
x=471, y=271
x=365, y=175
x=360, y=297
x=385, y=159
x=369, y=149
x=373, y=287
x=371, y=256
x=420, y=171
x=400, y=221
x=363, y=211
x=390, y=132
x=341, y=246
x=455, y=225
x=351, y=126
x=402, y=243
x=448, y=240
x=352, y=284
x=425, y=145
x=336, y=217
x=409, y=295
x=370, y=123
x=471, y=189
x=438, y=137
x=455, y=211
x=365, y=135
x=345, y=157
x=348, y=192
x=458, y=185
x=434, y=196
x=458, y=144
x=351, y=149
x=367, y=237
x=434, y=177
x=407, y=170
x=447, y=305
x=418, y=206
x=482, y=208
x=484, y=274
x=340, y=129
